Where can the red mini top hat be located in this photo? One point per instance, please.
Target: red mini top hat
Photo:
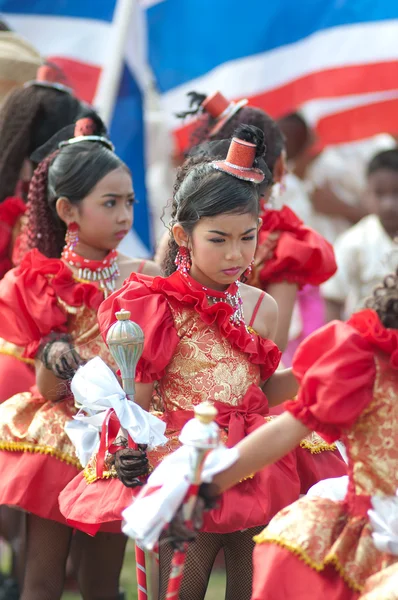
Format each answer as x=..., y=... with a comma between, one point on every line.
x=218, y=107
x=50, y=76
x=239, y=162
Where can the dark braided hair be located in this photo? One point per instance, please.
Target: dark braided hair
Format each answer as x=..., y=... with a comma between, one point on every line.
x=385, y=301
x=71, y=172
x=28, y=118
x=247, y=115
x=202, y=191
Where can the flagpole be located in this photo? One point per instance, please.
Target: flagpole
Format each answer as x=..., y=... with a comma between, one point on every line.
x=108, y=85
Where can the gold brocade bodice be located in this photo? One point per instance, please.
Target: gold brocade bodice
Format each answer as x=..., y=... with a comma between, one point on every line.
x=372, y=443
x=84, y=330
x=204, y=366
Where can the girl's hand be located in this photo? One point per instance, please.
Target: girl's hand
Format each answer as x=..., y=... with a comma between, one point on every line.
x=59, y=356
x=266, y=250
x=131, y=464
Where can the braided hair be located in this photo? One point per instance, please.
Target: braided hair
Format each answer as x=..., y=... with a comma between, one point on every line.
x=247, y=115
x=385, y=301
x=28, y=118
x=202, y=191
x=71, y=172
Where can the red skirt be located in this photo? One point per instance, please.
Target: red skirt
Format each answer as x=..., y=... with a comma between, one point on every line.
x=15, y=376
x=96, y=506
x=280, y=575
x=32, y=482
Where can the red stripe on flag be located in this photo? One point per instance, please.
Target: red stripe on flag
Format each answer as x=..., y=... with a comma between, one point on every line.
x=83, y=78
x=330, y=83
x=359, y=123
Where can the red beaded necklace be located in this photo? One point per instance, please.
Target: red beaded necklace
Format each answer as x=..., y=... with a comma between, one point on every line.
x=104, y=272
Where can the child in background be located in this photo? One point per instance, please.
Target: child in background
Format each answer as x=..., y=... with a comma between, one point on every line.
x=366, y=252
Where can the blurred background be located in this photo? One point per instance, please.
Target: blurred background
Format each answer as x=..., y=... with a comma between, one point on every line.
x=334, y=61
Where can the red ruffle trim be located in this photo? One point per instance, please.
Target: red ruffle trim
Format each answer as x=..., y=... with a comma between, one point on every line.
x=368, y=324
x=302, y=412
x=11, y=209
x=60, y=280
x=302, y=255
x=187, y=291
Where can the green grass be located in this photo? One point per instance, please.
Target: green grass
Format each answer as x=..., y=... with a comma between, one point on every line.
x=215, y=590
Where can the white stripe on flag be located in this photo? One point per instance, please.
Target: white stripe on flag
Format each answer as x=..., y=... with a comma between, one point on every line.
x=85, y=40
x=349, y=45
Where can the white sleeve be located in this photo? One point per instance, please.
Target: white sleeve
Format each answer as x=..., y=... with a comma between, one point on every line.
x=337, y=288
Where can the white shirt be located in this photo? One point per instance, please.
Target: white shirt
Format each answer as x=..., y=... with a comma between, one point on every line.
x=365, y=254
x=344, y=166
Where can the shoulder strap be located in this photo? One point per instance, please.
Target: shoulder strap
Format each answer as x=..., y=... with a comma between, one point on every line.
x=141, y=266
x=255, y=311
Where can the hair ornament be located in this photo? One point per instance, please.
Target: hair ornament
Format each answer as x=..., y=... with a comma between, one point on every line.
x=239, y=162
x=220, y=109
x=85, y=132
x=49, y=76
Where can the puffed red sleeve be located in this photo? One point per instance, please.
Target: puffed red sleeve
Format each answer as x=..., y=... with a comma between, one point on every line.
x=152, y=313
x=302, y=255
x=336, y=370
x=28, y=305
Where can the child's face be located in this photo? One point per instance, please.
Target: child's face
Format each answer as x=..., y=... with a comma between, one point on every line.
x=222, y=248
x=383, y=195
x=106, y=214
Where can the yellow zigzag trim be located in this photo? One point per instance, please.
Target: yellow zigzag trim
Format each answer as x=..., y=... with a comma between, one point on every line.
x=318, y=447
x=36, y=449
x=91, y=476
x=302, y=555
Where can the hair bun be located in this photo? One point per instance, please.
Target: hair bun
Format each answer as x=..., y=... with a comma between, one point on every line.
x=252, y=134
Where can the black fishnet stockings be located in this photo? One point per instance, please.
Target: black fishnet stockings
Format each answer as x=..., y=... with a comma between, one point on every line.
x=238, y=550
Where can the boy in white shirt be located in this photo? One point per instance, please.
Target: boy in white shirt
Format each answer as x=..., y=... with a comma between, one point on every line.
x=367, y=251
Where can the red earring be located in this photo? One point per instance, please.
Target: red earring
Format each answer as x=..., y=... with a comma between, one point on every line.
x=72, y=236
x=249, y=270
x=183, y=260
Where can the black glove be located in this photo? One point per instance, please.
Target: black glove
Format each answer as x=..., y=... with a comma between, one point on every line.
x=59, y=356
x=130, y=464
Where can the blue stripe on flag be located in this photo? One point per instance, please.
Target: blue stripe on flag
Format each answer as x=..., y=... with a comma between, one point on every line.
x=188, y=39
x=127, y=133
x=101, y=10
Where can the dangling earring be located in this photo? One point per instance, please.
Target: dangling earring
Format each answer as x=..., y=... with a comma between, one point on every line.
x=72, y=236
x=183, y=260
x=249, y=270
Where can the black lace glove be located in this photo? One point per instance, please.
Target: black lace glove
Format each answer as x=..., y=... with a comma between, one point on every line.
x=59, y=356
x=179, y=531
x=131, y=464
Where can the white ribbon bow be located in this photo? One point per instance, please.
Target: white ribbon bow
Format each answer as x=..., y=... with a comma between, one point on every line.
x=161, y=497
x=96, y=390
x=384, y=521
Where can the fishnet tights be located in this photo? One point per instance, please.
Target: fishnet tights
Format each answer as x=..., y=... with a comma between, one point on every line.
x=238, y=550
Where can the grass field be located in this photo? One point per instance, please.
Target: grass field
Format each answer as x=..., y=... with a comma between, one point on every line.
x=215, y=591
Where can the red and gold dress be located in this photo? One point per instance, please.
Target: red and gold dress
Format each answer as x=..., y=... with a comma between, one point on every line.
x=349, y=385
x=194, y=352
x=37, y=459
x=16, y=372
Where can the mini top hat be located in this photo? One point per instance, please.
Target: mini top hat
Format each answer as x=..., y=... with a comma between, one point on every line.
x=218, y=107
x=239, y=162
x=50, y=76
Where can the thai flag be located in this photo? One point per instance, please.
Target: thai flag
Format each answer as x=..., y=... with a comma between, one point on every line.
x=79, y=36
x=335, y=60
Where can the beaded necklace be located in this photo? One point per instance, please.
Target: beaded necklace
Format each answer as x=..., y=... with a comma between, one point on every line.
x=104, y=272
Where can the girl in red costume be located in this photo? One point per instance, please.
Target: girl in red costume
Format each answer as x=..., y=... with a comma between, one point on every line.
x=319, y=546
x=29, y=116
x=207, y=336
x=289, y=255
x=79, y=208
